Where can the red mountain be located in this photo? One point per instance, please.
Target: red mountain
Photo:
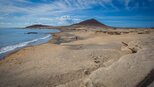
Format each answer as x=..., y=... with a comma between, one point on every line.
x=91, y=22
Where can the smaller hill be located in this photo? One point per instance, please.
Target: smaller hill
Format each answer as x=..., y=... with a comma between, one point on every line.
x=39, y=26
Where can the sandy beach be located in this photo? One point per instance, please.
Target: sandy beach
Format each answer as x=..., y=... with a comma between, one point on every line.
x=84, y=58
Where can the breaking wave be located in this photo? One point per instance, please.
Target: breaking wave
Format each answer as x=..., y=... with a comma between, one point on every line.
x=20, y=45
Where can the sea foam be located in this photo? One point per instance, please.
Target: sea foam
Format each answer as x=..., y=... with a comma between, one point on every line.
x=20, y=45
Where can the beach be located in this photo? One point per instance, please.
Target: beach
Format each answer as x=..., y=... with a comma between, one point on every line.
x=84, y=58
x=21, y=37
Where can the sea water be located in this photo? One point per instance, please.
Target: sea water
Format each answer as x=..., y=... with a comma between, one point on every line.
x=12, y=39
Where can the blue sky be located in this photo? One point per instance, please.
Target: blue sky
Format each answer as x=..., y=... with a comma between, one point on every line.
x=118, y=13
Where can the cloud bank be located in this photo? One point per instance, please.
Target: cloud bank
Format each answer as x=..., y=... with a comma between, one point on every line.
x=62, y=12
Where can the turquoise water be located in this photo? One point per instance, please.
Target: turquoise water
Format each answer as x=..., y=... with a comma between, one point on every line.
x=12, y=39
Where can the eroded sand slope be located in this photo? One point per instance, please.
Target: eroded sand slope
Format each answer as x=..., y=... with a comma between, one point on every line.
x=90, y=60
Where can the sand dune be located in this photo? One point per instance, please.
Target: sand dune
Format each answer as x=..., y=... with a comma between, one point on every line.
x=82, y=59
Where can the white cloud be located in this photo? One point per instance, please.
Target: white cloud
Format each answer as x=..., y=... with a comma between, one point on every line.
x=20, y=6
x=66, y=19
x=57, y=6
x=57, y=20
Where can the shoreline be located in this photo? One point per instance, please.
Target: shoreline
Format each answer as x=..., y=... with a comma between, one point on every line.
x=53, y=40
x=16, y=50
x=79, y=58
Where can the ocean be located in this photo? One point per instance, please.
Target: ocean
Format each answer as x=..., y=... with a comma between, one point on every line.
x=12, y=39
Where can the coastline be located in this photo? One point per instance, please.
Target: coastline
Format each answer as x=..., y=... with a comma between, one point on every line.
x=15, y=51
x=13, y=47
x=76, y=58
x=53, y=40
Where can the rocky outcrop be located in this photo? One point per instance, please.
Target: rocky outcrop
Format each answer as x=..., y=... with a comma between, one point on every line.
x=132, y=70
x=31, y=33
x=63, y=38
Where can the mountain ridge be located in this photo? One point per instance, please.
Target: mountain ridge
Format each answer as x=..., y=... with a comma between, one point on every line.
x=90, y=23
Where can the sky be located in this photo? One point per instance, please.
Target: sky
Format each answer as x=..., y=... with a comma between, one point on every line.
x=116, y=13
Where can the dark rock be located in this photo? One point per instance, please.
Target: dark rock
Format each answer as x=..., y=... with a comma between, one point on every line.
x=114, y=33
x=32, y=33
x=125, y=32
x=147, y=80
x=144, y=32
x=134, y=50
x=125, y=44
x=97, y=61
